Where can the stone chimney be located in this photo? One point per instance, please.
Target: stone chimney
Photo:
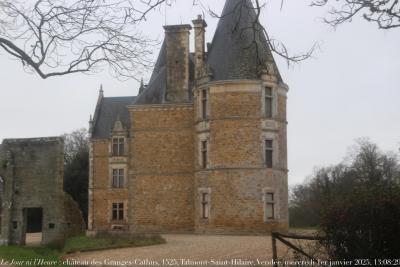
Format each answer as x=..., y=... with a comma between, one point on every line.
x=177, y=63
x=199, y=42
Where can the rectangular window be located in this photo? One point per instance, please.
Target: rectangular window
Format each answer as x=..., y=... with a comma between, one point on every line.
x=269, y=206
x=204, y=205
x=204, y=101
x=118, y=178
x=118, y=146
x=117, y=211
x=268, y=153
x=268, y=102
x=204, y=154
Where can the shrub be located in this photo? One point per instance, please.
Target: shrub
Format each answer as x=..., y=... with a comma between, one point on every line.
x=365, y=224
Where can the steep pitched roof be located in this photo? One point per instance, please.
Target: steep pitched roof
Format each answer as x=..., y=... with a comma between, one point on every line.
x=160, y=63
x=108, y=110
x=238, y=49
x=155, y=91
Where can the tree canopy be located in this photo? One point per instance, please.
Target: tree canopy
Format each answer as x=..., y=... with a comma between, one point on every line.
x=76, y=168
x=59, y=37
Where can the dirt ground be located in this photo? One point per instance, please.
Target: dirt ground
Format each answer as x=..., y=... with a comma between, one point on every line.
x=33, y=239
x=187, y=250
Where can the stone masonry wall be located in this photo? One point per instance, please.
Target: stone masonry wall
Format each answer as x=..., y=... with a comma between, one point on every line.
x=102, y=192
x=236, y=176
x=161, y=169
x=34, y=179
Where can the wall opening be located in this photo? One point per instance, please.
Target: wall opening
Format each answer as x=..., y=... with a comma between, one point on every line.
x=34, y=226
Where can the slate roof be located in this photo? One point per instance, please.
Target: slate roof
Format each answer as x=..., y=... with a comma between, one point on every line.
x=155, y=90
x=235, y=53
x=107, y=112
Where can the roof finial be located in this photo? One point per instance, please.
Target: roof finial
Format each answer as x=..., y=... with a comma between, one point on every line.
x=91, y=123
x=101, y=92
x=142, y=87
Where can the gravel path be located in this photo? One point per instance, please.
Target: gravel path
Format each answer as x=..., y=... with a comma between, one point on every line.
x=188, y=250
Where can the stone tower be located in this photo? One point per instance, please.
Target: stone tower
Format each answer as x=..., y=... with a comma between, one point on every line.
x=240, y=125
x=204, y=145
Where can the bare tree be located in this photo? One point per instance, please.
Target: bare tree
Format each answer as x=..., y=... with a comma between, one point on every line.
x=58, y=37
x=74, y=143
x=258, y=30
x=385, y=13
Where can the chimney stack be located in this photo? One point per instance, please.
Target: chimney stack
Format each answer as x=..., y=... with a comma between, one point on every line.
x=177, y=64
x=199, y=42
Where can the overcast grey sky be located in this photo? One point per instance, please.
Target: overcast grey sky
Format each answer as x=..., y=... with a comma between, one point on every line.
x=350, y=89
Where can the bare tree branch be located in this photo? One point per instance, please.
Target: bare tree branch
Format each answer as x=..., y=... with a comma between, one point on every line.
x=385, y=13
x=58, y=37
x=257, y=30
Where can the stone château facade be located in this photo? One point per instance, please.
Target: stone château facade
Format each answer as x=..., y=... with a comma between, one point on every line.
x=203, y=146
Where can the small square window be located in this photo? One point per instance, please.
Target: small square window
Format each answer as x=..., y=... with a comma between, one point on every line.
x=52, y=225
x=270, y=197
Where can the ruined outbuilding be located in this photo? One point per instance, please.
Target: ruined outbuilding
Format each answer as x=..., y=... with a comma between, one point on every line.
x=31, y=172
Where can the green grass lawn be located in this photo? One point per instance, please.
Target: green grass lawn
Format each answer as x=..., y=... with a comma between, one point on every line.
x=31, y=256
x=26, y=256
x=83, y=243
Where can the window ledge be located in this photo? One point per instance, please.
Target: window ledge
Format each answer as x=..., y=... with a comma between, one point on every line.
x=272, y=221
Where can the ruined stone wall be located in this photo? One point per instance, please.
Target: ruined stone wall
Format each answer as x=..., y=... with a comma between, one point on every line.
x=33, y=175
x=161, y=169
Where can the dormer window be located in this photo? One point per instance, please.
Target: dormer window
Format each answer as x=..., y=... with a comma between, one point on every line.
x=118, y=146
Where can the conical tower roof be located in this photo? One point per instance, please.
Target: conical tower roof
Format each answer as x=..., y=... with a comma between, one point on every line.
x=239, y=49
